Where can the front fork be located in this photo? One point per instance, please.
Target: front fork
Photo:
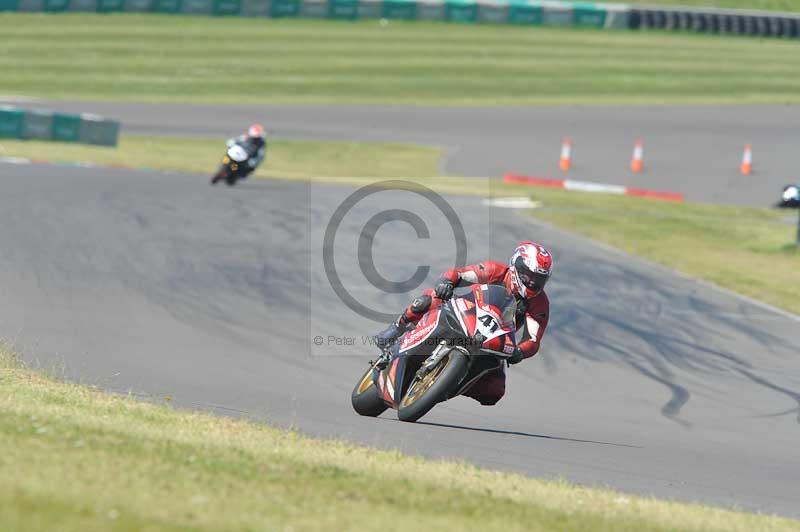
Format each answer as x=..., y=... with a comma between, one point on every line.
x=432, y=361
x=382, y=361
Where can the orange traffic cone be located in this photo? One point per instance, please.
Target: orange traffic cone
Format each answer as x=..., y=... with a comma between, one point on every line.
x=746, y=167
x=637, y=161
x=565, y=162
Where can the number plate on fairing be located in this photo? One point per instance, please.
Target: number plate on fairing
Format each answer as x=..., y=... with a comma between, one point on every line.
x=488, y=319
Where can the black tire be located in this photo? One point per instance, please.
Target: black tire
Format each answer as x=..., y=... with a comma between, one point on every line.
x=366, y=399
x=457, y=365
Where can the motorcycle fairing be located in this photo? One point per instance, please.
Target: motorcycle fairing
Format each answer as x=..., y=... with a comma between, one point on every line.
x=422, y=331
x=392, y=381
x=386, y=382
x=490, y=321
x=237, y=153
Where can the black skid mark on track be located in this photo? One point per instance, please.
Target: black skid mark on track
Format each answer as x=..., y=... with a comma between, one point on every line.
x=657, y=336
x=785, y=391
x=680, y=395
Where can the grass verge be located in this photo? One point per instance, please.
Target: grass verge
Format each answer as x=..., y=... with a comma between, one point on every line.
x=289, y=159
x=74, y=458
x=169, y=58
x=747, y=250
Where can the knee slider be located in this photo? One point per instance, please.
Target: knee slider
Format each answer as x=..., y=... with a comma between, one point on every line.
x=489, y=401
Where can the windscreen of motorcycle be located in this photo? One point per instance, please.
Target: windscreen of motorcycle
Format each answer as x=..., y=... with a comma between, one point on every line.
x=494, y=311
x=237, y=153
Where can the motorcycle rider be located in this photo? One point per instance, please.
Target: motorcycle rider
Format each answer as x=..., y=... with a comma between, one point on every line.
x=525, y=276
x=254, y=143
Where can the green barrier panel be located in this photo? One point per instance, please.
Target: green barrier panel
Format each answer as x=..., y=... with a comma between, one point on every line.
x=9, y=5
x=209, y=7
x=525, y=13
x=197, y=7
x=493, y=12
x=314, y=8
x=343, y=9
x=167, y=6
x=89, y=6
x=95, y=130
x=589, y=15
x=66, y=128
x=227, y=7
x=38, y=125
x=431, y=10
x=11, y=122
x=285, y=8
x=461, y=11
x=110, y=6
x=370, y=9
x=34, y=6
x=138, y=6
x=557, y=14
x=400, y=9
x=255, y=8
x=56, y=6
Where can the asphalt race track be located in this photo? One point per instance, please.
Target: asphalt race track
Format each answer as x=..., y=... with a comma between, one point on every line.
x=691, y=149
x=158, y=283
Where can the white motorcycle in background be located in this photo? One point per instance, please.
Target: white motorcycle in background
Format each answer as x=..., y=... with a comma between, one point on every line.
x=234, y=166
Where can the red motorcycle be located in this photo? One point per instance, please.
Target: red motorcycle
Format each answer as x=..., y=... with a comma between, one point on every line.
x=447, y=352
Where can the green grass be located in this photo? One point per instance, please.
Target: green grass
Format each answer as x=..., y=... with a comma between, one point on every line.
x=747, y=250
x=74, y=458
x=291, y=159
x=232, y=60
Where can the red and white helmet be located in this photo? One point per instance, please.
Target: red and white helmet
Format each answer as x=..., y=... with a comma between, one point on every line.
x=255, y=131
x=530, y=268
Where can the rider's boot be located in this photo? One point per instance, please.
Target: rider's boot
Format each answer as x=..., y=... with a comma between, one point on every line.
x=390, y=334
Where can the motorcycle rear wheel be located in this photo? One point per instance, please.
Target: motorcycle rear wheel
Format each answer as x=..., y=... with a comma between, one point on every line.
x=427, y=392
x=366, y=399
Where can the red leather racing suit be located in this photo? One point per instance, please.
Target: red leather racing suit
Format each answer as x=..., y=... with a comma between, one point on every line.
x=532, y=316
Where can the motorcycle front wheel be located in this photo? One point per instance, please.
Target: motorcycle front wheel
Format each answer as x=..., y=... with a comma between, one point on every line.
x=424, y=393
x=366, y=399
x=221, y=174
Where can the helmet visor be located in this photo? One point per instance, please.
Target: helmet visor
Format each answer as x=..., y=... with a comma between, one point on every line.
x=534, y=281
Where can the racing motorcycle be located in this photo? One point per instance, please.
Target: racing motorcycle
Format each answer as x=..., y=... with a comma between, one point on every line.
x=234, y=166
x=450, y=348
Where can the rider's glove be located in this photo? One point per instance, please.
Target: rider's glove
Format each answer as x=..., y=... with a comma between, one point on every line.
x=444, y=289
x=516, y=358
